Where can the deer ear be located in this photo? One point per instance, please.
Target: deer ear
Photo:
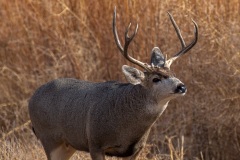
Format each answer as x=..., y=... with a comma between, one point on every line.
x=157, y=58
x=133, y=75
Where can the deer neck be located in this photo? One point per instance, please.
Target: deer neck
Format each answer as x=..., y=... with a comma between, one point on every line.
x=157, y=108
x=151, y=104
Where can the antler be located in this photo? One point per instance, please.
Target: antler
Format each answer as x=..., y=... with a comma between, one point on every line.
x=185, y=48
x=127, y=42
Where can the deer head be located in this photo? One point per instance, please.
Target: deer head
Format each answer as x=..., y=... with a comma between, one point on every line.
x=157, y=75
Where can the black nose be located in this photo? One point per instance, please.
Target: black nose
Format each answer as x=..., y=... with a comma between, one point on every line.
x=181, y=88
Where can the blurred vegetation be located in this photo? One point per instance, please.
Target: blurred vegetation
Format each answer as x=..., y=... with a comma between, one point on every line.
x=44, y=40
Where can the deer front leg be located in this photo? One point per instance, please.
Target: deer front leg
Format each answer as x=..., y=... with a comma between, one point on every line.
x=97, y=154
x=62, y=152
x=141, y=145
x=135, y=156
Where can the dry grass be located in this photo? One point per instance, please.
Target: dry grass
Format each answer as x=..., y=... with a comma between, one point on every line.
x=42, y=40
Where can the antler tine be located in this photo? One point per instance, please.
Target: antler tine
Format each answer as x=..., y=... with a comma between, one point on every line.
x=115, y=32
x=177, y=30
x=127, y=42
x=185, y=48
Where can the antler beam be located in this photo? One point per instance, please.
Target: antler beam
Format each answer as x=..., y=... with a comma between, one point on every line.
x=128, y=40
x=185, y=48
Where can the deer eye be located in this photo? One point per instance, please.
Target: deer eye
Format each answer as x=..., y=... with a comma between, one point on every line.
x=155, y=80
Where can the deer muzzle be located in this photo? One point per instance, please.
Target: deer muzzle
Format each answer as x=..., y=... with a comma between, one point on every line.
x=181, y=88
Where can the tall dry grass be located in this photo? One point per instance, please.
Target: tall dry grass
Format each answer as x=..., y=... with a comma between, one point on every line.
x=44, y=40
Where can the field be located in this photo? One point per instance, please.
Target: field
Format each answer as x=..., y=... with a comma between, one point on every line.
x=45, y=40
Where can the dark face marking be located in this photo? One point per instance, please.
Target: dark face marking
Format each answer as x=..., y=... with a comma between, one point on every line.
x=161, y=73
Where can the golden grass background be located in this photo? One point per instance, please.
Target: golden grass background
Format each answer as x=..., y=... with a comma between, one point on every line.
x=44, y=40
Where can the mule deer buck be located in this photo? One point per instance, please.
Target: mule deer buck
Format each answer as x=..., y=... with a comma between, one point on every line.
x=108, y=118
